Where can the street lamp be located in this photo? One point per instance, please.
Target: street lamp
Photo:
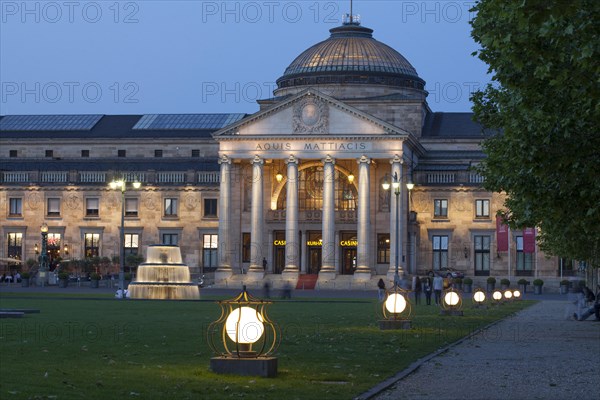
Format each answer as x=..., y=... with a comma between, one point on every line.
x=122, y=185
x=395, y=185
x=44, y=256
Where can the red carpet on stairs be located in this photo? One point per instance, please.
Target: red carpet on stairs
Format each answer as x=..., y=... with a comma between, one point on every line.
x=307, y=282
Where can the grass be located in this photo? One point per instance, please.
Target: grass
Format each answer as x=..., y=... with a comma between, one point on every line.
x=99, y=347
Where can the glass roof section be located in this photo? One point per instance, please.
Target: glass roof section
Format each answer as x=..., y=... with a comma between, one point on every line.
x=186, y=121
x=49, y=122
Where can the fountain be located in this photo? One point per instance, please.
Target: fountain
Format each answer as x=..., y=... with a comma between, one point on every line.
x=163, y=276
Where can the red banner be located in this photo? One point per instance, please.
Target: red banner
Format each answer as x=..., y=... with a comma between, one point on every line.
x=529, y=240
x=501, y=234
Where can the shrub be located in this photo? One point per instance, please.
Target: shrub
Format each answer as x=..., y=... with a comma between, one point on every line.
x=565, y=282
x=538, y=282
x=95, y=276
x=63, y=275
x=468, y=281
x=491, y=280
x=505, y=281
x=457, y=280
x=25, y=275
x=523, y=282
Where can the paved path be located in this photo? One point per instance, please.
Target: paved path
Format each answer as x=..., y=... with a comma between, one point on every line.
x=536, y=354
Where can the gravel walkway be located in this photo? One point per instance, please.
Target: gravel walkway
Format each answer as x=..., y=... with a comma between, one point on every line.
x=536, y=354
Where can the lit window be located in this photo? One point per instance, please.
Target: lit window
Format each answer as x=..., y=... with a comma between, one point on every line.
x=209, y=250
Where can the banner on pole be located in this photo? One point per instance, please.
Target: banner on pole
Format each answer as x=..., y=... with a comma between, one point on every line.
x=529, y=240
x=501, y=234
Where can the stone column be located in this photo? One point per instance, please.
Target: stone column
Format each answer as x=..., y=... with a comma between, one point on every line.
x=292, y=237
x=256, y=220
x=395, y=226
x=224, y=271
x=328, y=225
x=363, y=269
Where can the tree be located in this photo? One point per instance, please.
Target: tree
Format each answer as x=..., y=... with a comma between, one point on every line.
x=543, y=56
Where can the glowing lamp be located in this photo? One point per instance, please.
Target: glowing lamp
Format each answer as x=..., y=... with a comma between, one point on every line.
x=508, y=295
x=497, y=295
x=44, y=228
x=351, y=178
x=243, y=338
x=517, y=294
x=479, y=296
x=452, y=298
x=395, y=303
x=136, y=184
x=244, y=325
x=279, y=177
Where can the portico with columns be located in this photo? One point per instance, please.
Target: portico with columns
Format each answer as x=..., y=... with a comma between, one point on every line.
x=302, y=181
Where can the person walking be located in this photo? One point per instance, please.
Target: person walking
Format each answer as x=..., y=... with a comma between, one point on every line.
x=426, y=285
x=438, y=286
x=381, y=289
x=416, y=287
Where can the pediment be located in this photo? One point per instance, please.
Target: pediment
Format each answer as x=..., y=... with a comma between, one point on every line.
x=309, y=113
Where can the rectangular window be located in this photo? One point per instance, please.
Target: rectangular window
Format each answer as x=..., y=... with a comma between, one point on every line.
x=92, y=207
x=383, y=248
x=440, y=252
x=440, y=208
x=54, y=248
x=524, y=266
x=49, y=153
x=121, y=153
x=131, y=207
x=53, y=207
x=482, y=255
x=15, y=207
x=132, y=241
x=13, y=153
x=91, y=244
x=15, y=245
x=209, y=250
x=85, y=153
x=482, y=208
x=158, y=153
x=210, y=208
x=170, y=207
x=170, y=239
x=195, y=153
x=246, y=247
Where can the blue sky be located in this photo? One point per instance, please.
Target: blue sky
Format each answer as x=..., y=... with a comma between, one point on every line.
x=142, y=57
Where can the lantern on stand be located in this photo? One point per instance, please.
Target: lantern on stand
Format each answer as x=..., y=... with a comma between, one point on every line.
x=396, y=310
x=244, y=338
x=451, y=303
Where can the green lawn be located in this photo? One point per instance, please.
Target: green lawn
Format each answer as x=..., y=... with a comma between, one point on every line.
x=102, y=348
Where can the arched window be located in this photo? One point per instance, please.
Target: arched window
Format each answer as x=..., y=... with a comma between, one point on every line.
x=310, y=191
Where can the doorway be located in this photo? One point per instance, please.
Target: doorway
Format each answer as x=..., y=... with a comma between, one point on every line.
x=314, y=260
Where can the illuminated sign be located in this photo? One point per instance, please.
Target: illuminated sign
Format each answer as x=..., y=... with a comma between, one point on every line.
x=279, y=242
x=314, y=242
x=349, y=243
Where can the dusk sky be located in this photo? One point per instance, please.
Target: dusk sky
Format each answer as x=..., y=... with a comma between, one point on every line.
x=144, y=57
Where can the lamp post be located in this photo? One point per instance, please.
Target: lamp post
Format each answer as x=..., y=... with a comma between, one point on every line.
x=122, y=185
x=44, y=256
x=395, y=185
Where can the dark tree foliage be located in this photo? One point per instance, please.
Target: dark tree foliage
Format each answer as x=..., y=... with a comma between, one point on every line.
x=545, y=61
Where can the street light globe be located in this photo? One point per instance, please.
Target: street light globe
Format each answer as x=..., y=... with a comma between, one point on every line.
x=497, y=295
x=44, y=228
x=113, y=184
x=479, y=296
x=508, y=294
x=137, y=184
x=452, y=299
x=395, y=303
x=516, y=294
x=244, y=325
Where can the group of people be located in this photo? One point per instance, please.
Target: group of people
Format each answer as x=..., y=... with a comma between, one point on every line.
x=10, y=278
x=426, y=284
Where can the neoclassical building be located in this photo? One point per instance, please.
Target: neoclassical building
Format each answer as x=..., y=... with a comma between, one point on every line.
x=295, y=189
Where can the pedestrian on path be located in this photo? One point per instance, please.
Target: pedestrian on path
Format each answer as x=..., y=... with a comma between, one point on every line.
x=438, y=286
x=416, y=287
x=381, y=289
x=426, y=285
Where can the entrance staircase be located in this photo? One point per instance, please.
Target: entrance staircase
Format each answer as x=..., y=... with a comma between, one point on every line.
x=307, y=282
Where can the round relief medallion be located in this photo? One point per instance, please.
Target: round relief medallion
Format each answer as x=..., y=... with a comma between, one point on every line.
x=310, y=114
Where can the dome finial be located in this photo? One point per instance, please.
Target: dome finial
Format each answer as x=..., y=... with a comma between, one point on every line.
x=351, y=19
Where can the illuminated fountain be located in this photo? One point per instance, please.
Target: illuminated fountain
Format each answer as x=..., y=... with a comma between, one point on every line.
x=163, y=276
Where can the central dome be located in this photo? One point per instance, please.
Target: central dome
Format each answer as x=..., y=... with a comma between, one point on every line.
x=351, y=55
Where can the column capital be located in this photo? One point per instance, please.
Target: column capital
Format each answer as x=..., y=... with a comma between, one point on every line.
x=363, y=159
x=396, y=159
x=224, y=159
x=328, y=159
x=292, y=160
x=257, y=160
